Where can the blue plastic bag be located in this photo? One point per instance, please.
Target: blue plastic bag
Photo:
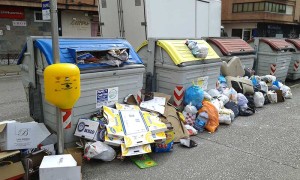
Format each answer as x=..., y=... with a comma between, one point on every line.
x=194, y=95
x=222, y=79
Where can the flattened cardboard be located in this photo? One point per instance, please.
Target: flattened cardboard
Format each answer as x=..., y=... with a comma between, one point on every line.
x=153, y=122
x=114, y=127
x=6, y=154
x=12, y=171
x=143, y=161
x=171, y=117
x=135, y=150
x=138, y=139
x=113, y=141
x=159, y=137
x=87, y=129
x=22, y=135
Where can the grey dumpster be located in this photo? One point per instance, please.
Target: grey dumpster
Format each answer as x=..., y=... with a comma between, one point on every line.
x=226, y=48
x=294, y=72
x=273, y=57
x=96, y=78
x=174, y=64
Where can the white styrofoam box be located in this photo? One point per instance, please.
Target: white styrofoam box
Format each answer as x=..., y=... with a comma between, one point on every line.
x=282, y=61
x=59, y=167
x=128, y=81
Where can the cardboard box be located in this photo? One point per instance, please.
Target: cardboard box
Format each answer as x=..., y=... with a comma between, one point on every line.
x=159, y=137
x=138, y=139
x=13, y=170
x=22, y=135
x=59, y=167
x=133, y=151
x=116, y=141
x=87, y=129
x=154, y=123
x=114, y=127
x=76, y=153
x=171, y=116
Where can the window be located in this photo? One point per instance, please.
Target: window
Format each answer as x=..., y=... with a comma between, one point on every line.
x=289, y=10
x=247, y=7
x=261, y=6
x=240, y=7
x=256, y=6
x=270, y=7
x=250, y=7
x=237, y=33
x=234, y=8
x=266, y=6
x=281, y=8
x=38, y=17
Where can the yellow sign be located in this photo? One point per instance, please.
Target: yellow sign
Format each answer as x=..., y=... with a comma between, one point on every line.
x=62, y=85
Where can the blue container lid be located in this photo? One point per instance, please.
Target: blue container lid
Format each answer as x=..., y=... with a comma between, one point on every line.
x=65, y=44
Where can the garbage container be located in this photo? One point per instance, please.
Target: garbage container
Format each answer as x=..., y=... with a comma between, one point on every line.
x=273, y=57
x=294, y=72
x=226, y=48
x=101, y=84
x=174, y=64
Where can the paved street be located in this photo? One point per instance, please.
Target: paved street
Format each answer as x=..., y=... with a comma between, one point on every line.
x=263, y=146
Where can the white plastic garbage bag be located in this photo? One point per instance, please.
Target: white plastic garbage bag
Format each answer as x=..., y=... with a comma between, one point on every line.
x=218, y=104
x=263, y=86
x=272, y=96
x=286, y=92
x=224, y=119
x=242, y=100
x=226, y=116
x=259, y=99
x=214, y=93
x=207, y=96
x=223, y=98
x=231, y=94
x=99, y=150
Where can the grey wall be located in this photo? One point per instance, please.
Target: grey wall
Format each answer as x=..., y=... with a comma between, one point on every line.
x=14, y=39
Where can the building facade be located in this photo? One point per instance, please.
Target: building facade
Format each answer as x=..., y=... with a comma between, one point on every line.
x=19, y=19
x=261, y=18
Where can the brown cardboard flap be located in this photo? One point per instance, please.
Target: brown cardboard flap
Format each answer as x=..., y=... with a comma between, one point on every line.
x=2, y=127
x=12, y=171
x=7, y=154
x=280, y=97
x=178, y=127
x=76, y=153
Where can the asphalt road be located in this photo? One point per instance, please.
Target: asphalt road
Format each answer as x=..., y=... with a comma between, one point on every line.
x=263, y=146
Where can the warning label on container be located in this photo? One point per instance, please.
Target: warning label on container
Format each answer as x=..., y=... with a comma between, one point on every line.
x=203, y=82
x=106, y=97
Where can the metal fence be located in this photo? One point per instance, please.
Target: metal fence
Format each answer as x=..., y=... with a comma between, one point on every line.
x=8, y=58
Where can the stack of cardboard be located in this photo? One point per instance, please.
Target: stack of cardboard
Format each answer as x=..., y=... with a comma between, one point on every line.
x=132, y=129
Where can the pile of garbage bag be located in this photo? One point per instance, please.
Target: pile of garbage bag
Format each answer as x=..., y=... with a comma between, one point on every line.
x=239, y=92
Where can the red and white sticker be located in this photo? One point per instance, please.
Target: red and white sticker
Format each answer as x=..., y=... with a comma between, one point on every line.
x=66, y=117
x=178, y=95
x=296, y=65
x=272, y=69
